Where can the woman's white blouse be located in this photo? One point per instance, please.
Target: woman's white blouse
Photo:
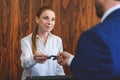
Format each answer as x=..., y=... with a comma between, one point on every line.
x=50, y=67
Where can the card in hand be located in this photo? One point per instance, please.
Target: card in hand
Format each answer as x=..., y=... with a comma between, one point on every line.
x=54, y=57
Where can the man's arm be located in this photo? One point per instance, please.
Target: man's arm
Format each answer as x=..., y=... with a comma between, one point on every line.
x=92, y=60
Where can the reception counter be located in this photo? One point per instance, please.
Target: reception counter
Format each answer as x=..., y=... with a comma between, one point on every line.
x=66, y=77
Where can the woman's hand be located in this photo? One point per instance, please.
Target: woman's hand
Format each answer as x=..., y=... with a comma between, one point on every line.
x=40, y=57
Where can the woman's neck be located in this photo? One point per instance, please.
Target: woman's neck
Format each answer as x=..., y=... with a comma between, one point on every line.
x=43, y=37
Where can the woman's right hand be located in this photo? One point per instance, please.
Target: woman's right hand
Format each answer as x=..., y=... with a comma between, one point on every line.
x=40, y=57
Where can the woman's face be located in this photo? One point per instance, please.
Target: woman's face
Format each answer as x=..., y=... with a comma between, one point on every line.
x=46, y=21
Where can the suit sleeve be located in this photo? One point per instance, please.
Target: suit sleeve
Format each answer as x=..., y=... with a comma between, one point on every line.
x=92, y=60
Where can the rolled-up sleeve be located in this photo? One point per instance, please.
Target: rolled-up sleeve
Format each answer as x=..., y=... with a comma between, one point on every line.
x=27, y=60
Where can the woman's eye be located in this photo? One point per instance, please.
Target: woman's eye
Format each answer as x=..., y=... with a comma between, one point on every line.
x=46, y=17
x=53, y=19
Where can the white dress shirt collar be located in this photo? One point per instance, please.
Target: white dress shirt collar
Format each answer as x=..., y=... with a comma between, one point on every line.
x=50, y=34
x=109, y=11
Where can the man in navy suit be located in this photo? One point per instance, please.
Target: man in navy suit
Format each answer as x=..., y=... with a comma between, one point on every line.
x=97, y=55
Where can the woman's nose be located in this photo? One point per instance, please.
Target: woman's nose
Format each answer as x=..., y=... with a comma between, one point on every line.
x=49, y=22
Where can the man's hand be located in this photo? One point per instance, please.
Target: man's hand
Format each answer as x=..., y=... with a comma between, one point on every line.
x=63, y=58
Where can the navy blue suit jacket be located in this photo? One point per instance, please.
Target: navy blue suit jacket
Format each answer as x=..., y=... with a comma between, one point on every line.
x=98, y=51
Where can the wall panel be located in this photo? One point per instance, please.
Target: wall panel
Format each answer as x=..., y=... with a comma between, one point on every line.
x=17, y=19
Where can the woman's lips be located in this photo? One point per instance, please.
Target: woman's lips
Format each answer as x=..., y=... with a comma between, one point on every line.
x=48, y=27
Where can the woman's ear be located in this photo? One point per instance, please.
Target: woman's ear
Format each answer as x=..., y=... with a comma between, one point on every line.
x=37, y=19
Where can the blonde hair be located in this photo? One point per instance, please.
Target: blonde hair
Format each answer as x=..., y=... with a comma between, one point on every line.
x=34, y=41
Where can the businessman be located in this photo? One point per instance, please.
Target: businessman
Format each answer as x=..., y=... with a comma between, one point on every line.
x=97, y=55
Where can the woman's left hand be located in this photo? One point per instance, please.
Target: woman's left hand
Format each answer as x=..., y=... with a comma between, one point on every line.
x=40, y=57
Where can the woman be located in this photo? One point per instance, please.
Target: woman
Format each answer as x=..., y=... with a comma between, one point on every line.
x=39, y=45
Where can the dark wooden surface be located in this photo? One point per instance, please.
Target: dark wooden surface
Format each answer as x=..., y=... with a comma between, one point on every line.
x=62, y=77
x=17, y=20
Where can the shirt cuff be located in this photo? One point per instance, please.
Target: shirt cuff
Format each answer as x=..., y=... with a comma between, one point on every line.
x=70, y=60
x=31, y=61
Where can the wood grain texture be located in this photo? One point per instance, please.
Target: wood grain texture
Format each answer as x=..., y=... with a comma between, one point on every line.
x=17, y=19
